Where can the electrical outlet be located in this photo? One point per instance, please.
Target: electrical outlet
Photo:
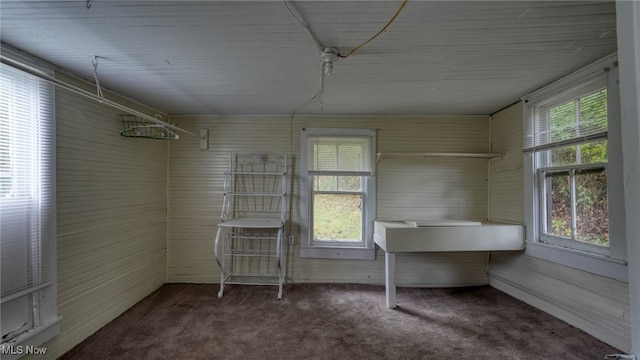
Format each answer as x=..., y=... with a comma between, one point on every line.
x=292, y=240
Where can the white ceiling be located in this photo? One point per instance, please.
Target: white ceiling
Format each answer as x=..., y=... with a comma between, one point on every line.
x=253, y=58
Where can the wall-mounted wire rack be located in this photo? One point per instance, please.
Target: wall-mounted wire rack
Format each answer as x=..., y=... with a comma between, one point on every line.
x=137, y=127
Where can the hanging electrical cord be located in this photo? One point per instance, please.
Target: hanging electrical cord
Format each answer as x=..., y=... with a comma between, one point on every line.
x=314, y=98
x=321, y=88
x=378, y=33
x=318, y=94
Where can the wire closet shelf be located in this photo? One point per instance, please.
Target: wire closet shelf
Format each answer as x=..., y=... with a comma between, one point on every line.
x=136, y=127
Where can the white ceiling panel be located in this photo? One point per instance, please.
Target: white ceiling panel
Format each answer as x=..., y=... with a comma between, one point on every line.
x=246, y=58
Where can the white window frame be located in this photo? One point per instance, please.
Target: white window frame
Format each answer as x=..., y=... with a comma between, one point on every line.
x=41, y=296
x=611, y=261
x=335, y=249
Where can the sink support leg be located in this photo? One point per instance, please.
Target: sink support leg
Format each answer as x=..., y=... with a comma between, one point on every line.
x=390, y=278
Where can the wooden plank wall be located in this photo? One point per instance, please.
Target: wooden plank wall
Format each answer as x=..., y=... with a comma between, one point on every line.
x=111, y=205
x=407, y=188
x=595, y=304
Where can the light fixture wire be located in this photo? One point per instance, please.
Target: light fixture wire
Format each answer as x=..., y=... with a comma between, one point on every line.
x=378, y=33
x=95, y=76
x=304, y=25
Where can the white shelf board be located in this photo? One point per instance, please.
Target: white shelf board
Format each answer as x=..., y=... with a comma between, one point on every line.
x=252, y=223
x=380, y=155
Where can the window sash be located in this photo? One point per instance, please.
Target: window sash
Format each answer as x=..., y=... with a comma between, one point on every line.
x=544, y=195
x=338, y=242
x=27, y=199
x=537, y=123
x=608, y=262
x=361, y=141
x=312, y=225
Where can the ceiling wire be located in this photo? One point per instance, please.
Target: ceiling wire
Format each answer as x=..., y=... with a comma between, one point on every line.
x=304, y=25
x=378, y=33
x=314, y=98
x=95, y=76
x=318, y=94
x=321, y=48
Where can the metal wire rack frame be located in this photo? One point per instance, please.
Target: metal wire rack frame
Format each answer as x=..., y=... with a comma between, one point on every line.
x=137, y=127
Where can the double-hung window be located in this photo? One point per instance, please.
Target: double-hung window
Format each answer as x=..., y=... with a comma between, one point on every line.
x=338, y=193
x=567, y=150
x=27, y=210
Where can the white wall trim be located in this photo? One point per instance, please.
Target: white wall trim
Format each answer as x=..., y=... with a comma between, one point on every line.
x=334, y=252
x=563, y=313
x=589, y=262
x=628, y=26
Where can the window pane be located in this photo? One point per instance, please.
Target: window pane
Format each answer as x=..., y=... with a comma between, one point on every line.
x=325, y=183
x=349, y=183
x=563, y=121
x=337, y=217
x=593, y=113
x=592, y=215
x=558, y=204
x=562, y=156
x=594, y=152
x=582, y=116
x=337, y=183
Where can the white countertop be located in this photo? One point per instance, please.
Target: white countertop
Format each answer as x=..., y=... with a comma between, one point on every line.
x=447, y=235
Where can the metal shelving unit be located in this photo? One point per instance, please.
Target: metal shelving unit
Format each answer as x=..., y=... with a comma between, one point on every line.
x=249, y=245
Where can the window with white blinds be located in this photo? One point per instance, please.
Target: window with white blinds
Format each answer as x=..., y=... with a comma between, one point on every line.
x=573, y=115
x=572, y=175
x=338, y=187
x=27, y=203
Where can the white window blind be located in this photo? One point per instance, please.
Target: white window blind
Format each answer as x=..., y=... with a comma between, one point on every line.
x=339, y=156
x=27, y=199
x=575, y=115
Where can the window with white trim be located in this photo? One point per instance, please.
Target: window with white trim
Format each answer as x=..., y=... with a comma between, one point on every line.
x=338, y=193
x=568, y=177
x=27, y=209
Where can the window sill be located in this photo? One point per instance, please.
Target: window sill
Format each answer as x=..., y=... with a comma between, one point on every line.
x=15, y=348
x=334, y=252
x=592, y=263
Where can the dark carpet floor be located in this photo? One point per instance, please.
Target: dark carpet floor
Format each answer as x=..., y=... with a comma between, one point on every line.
x=337, y=321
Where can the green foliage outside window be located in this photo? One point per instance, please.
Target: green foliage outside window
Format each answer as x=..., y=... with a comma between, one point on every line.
x=587, y=115
x=337, y=217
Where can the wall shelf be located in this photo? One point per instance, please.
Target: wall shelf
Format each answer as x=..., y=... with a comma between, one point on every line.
x=380, y=156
